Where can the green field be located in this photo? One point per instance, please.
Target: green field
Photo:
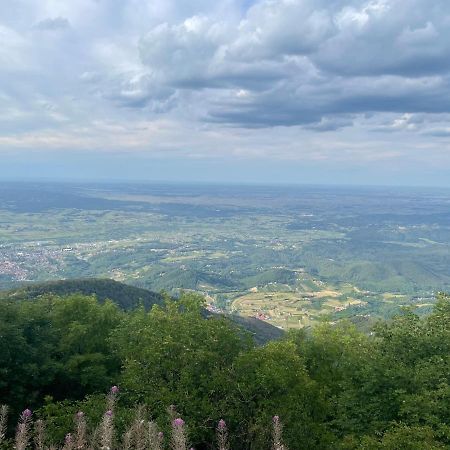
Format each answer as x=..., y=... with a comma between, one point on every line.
x=376, y=250
x=306, y=303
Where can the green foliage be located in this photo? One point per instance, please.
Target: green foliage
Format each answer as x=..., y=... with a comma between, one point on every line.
x=273, y=380
x=405, y=438
x=172, y=355
x=333, y=386
x=55, y=347
x=401, y=374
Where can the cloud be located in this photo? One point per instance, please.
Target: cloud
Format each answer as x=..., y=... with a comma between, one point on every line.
x=253, y=75
x=301, y=61
x=49, y=24
x=378, y=38
x=183, y=54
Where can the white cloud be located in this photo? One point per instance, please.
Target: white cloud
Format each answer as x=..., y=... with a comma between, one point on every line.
x=281, y=69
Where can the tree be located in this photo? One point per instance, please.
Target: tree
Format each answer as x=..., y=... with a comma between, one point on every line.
x=172, y=355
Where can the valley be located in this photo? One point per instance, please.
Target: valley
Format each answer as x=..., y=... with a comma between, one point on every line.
x=288, y=255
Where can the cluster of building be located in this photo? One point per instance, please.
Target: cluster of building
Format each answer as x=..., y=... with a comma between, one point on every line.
x=23, y=263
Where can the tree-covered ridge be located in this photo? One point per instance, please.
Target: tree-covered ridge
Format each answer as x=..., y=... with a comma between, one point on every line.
x=127, y=298
x=334, y=387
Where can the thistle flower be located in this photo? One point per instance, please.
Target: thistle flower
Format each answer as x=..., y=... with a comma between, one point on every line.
x=68, y=442
x=23, y=430
x=179, y=441
x=80, y=430
x=107, y=430
x=39, y=435
x=155, y=438
x=277, y=434
x=222, y=435
x=139, y=428
x=111, y=398
x=179, y=422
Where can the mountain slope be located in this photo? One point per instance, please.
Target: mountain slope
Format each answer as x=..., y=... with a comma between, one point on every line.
x=125, y=296
x=129, y=297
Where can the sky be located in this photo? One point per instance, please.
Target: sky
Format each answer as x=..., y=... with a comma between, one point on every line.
x=270, y=91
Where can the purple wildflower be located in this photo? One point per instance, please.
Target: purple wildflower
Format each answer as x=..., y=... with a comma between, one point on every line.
x=179, y=422
x=27, y=413
x=114, y=390
x=222, y=435
x=109, y=413
x=277, y=434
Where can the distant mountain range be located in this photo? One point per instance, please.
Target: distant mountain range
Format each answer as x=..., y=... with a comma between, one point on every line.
x=128, y=297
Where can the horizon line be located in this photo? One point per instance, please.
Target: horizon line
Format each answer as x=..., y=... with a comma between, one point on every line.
x=82, y=181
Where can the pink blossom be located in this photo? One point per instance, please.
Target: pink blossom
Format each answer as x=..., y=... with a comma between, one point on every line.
x=178, y=422
x=27, y=413
x=276, y=419
x=109, y=413
x=221, y=425
x=114, y=389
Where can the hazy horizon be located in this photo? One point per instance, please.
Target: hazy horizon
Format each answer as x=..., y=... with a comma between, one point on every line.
x=220, y=183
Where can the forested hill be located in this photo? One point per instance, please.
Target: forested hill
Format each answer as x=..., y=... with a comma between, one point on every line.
x=127, y=298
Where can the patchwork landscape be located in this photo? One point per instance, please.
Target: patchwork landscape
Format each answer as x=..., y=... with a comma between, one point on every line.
x=291, y=256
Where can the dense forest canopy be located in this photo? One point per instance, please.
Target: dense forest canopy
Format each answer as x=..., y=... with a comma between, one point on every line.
x=333, y=386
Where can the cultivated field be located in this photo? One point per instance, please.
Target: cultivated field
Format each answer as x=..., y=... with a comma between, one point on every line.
x=294, y=309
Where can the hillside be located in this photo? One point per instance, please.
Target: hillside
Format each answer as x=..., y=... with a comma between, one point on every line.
x=262, y=332
x=129, y=297
x=124, y=295
x=176, y=278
